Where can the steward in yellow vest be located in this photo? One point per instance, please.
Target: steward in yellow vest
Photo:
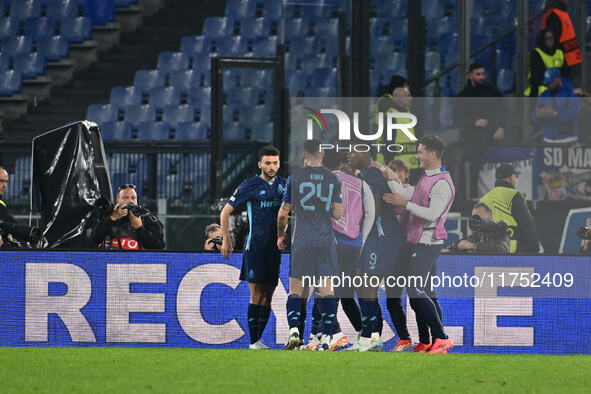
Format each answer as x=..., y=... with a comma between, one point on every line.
x=546, y=55
x=508, y=205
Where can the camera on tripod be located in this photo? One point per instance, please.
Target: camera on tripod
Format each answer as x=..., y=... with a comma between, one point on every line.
x=479, y=224
x=21, y=233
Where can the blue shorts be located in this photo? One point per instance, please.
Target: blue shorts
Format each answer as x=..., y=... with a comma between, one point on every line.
x=261, y=267
x=313, y=261
x=380, y=252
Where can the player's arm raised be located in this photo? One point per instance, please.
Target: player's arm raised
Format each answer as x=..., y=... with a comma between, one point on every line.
x=225, y=223
x=282, y=218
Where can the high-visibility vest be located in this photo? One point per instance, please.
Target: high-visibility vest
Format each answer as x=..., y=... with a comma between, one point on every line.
x=500, y=200
x=2, y=202
x=568, y=38
x=409, y=152
x=550, y=61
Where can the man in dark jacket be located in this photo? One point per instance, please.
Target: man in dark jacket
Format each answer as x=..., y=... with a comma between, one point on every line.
x=479, y=119
x=121, y=229
x=485, y=242
x=547, y=54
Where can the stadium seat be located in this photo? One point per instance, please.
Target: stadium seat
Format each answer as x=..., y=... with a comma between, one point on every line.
x=262, y=132
x=322, y=92
x=446, y=25
x=100, y=12
x=256, y=114
x=172, y=61
x=125, y=3
x=100, y=113
x=10, y=83
x=252, y=28
x=241, y=8
x=62, y=9
x=202, y=63
x=266, y=47
x=326, y=45
x=432, y=61
x=270, y=9
x=200, y=96
x=297, y=81
x=146, y=80
x=76, y=30
x=175, y=114
x=9, y=27
x=232, y=46
x=203, y=114
x=191, y=131
x=38, y=27
x=124, y=96
x=231, y=78
x=54, y=48
x=217, y=27
x=16, y=45
x=140, y=113
x=164, y=96
x=298, y=27
x=323, y=77
x=319, y=11
x=381, y=45
x=327, y=28
x=433, y=8
x=195, y=44
x=234, y=131
x=156, y=131
x=4, y=62
x=184, y=81
x=23, y=9
x=230, y=113
x=506, y=80
x=301, y=46
x=114, y=130
x=242, y=96
x=30, y=65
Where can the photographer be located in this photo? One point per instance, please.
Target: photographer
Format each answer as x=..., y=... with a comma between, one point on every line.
x=214, y=237
x=128, y=225
x=488, y=236
x=584, y=234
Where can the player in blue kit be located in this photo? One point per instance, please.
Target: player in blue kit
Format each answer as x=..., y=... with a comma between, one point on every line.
x=379, y=255
x=261, y=259
x=315, y=195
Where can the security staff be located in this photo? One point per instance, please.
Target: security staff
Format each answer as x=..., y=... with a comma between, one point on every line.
x=4, y=215
x=558, y=20
x=508, y=205
x=546, y=55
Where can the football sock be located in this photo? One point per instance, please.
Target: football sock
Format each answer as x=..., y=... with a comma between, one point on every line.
x=316, y=318
x=369, y=311
x=263, y=318
x=379, y=320
x=352, y=311
x=329, y=314
x=294, y=307
x=336, y=327
x=303, y=313
x=253, y=322
x=398, y=316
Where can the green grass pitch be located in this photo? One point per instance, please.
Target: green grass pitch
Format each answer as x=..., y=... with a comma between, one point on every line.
x=107, y=370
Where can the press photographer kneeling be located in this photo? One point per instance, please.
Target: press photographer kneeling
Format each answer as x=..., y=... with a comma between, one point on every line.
x=487, y=236
x=128, y=225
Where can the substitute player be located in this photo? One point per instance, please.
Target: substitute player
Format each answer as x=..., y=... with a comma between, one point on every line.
x=261, y=259
x=315, y=195
x=425, y=232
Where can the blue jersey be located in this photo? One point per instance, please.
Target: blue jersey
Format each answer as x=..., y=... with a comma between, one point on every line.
x=311, y=191
x=262, y=200
x=378, y=185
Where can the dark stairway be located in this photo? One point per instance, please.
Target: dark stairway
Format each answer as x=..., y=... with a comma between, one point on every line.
x=138, y=50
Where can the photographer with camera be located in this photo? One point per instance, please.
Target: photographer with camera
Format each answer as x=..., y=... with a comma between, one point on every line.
x=12, y=234
x=128, y=225
x=214, y=237
x=584, y=234
x=488, y=235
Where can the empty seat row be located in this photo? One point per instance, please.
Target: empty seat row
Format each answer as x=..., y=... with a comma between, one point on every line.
x=151, y=130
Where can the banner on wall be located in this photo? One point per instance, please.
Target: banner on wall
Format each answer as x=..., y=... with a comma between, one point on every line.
x=197, y=300
x=563, y=172
x=522, y=159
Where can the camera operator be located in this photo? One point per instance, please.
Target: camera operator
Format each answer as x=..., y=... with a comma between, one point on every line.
x=214, y=237
x=12, y=234
x=488, y=236
x=584, y=233
x=128, y=225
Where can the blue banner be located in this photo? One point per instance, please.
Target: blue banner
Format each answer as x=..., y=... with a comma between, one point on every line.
x=196, y=300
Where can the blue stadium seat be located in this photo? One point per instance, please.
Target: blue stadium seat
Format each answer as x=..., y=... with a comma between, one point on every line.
x=432, y=61
x=324, y=28
x=446, y=25
x=297, y=81
x=76, y=30
x=234, y=131
x=266, y=47
x=217, y=27
x=124, y=96
x=9, y=27
x=379, y=27
x=381, y=45
x=231, y=78
x=241, y=8
x=433, y=8
x=256, y=114
x=200, y=96
x=535, y=6
x=326, y=45
x=301, y=46
x=175, y=114
x=322, y=92
x=146, y=80
x=195, y=131
x=62, y=9
x=140, y=113
x=252, y=28
x=242, y=96
x=324, y=77
x=100, y=113
x=4, y=62
x=230, y=113
x=392, y=61
x=320, y=11
x=270, y=9
x=30, y=65
x=23, y=9
x=298, y=27
x=202, y=63
x=172, y=61
x=54, y=48
x=17, y=45
x=232, y=46
x=10, y=83
x=38, y=27
x=100, y=12
x=506, y=80
x=153, y=131
x=125, y=3
x=195, y=44
x=263, y=79
x=114, y=130
x=185, y=81
x=262, y=132
x=203, y=114
x=164, y=96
